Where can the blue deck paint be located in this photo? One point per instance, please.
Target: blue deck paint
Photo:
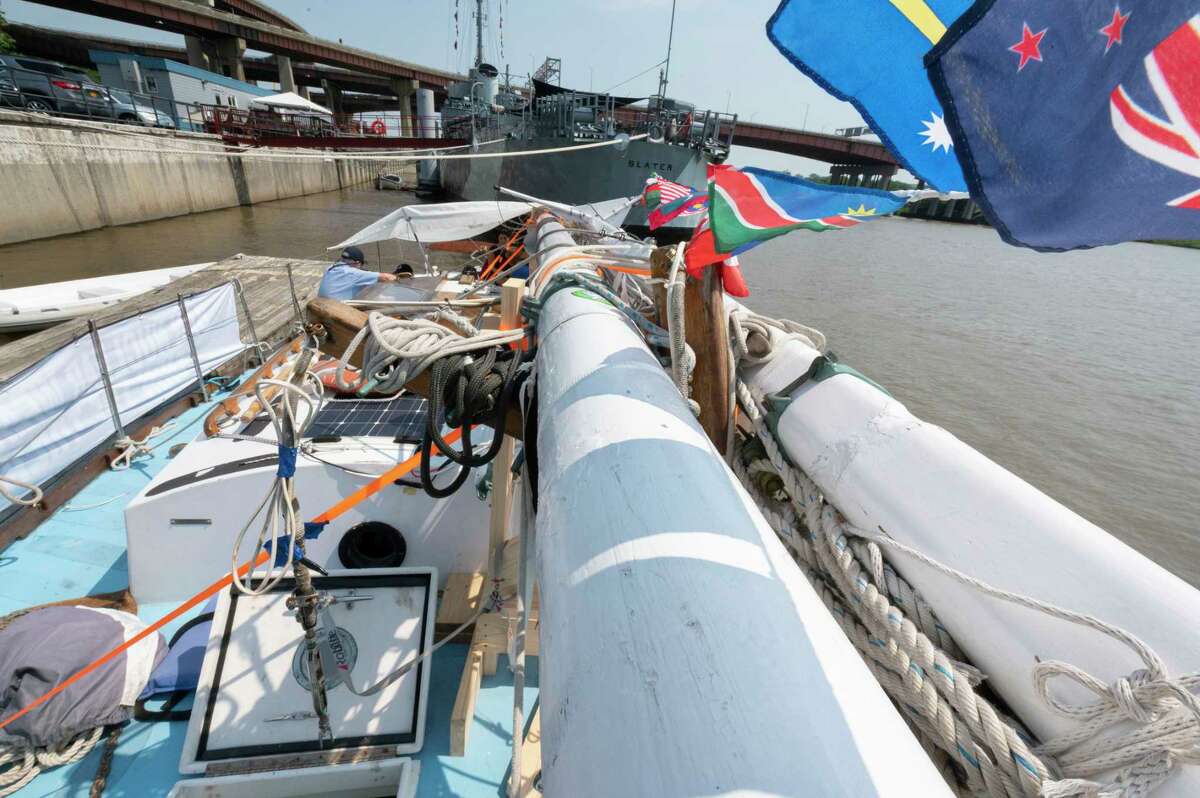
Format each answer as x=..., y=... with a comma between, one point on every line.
x=80, y=550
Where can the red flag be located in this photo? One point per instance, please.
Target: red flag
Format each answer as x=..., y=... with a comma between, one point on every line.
x=701, y=253
x=702, y=250
x=732, y=280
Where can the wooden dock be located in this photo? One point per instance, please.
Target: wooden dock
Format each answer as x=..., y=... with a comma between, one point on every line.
x=265, y=286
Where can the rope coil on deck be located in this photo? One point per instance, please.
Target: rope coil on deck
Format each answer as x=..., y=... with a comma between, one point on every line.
x=30, y=494
x=846, y=566
x=19, y=766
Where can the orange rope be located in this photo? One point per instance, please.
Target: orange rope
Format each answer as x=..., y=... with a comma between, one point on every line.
x=370, y=489
x=640, y=272
x=488, y=272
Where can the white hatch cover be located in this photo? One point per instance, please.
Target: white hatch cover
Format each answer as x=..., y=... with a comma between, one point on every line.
x=253, y=698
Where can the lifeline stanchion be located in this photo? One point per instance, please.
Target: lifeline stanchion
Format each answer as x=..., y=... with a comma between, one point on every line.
x=94, y=332
x=191, y=341
x=295, y=300
x=241, y=295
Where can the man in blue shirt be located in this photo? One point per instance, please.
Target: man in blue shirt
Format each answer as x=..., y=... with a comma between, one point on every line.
x=344, y=279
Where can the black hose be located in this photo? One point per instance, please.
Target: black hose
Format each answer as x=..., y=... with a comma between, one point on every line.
x=466, y=391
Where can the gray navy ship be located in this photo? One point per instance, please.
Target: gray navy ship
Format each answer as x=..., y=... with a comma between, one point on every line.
x=680, y=141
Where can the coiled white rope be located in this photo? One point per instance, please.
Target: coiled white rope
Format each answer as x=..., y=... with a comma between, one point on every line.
x=132, y=447
x=34, y=493
x=683, y=359
x=398, y=350
x=19, y=766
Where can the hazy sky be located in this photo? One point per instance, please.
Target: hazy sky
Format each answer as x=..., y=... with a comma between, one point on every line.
x=721, y=54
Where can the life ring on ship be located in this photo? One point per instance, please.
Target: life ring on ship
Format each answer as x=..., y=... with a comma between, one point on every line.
x=378, y=128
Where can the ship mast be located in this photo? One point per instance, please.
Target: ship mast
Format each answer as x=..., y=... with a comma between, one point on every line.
x=480, y=18
x=666, y=73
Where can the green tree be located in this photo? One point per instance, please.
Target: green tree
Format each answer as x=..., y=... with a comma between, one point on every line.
x=7, y=45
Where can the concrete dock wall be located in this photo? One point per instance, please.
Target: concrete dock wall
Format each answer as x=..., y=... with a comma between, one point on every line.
x=59, y=177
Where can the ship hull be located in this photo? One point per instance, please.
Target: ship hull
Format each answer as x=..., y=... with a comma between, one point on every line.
x=579, y=176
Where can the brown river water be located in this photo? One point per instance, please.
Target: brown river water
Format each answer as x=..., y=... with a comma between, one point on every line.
x=1078, y=372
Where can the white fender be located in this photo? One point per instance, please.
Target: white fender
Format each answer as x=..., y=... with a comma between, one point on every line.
x=882, y=467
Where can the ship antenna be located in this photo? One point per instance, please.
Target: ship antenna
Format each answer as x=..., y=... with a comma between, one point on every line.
x=666, y=73
x=479, y=22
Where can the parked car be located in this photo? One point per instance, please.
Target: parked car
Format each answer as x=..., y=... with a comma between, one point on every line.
x=9, y=96
x=138, y=110
x=54, y=88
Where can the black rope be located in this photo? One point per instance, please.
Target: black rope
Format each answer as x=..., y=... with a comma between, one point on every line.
x=466, y=391
x=100, y=780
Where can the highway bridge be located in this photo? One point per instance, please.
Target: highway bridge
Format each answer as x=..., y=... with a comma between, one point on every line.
x=853, y=160
x=242, y=27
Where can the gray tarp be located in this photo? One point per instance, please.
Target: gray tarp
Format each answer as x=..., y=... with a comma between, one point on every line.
x=47, y=646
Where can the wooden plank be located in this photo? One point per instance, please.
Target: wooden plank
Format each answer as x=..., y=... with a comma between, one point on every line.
x=706, y=332
x=660, y=269
x=491, y=634
x=531, y=758
x=464, y=703
x=460, y=600
x=510, y=563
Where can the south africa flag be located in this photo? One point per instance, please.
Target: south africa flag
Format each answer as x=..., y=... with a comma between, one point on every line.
x=749, y=205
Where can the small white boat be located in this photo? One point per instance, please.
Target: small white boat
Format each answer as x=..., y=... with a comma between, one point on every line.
x=389, y=182
x=33, y=307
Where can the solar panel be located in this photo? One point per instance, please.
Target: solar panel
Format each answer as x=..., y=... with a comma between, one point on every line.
x=403, y=418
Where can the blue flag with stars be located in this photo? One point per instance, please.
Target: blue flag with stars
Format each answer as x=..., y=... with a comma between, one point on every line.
x=870, y=53
x=1077, y=121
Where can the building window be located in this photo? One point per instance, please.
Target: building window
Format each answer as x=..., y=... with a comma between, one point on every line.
x=233, y=102
x=216, y=99
x=152, y=84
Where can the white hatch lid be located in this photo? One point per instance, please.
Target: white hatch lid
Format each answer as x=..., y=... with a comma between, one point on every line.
x=253, y=699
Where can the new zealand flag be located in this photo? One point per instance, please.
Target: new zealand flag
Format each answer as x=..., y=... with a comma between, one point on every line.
x=1077, y=121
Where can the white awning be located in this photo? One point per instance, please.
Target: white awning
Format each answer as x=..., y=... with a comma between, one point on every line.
x=455, y=221
x=293, y=102
x=445, y=221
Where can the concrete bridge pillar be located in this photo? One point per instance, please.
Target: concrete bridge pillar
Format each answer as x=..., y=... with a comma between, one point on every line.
x=231, y=50
x=405, y=90
x=333, y=96
x=196, y=55
x=287, y=80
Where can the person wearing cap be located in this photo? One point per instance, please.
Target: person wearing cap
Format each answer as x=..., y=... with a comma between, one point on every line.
x=344, y=279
